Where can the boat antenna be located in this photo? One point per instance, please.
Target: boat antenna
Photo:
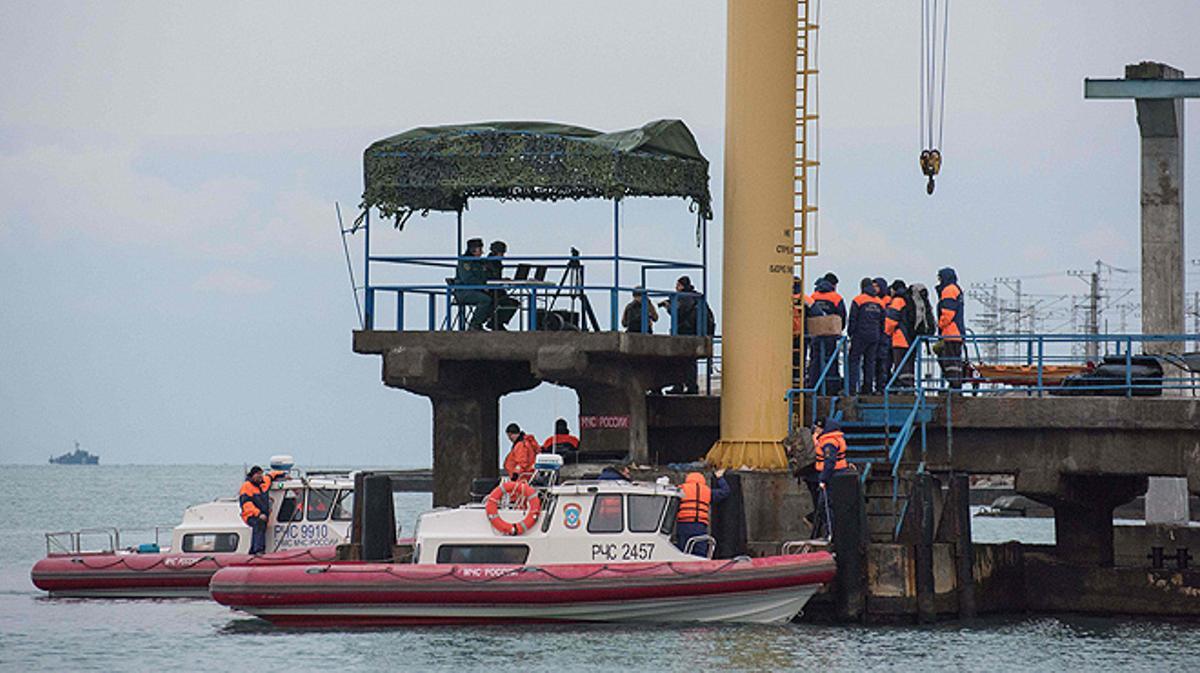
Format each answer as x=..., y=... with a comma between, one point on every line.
x=349, y=266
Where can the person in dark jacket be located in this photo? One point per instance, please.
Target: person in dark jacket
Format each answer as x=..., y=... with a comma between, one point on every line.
x=503, y=306
x=951, y=327
x=472, y=271
x=687, y=302
x=254, y=501
x=883, y=363
x=613, y=473
x=865, y=329
x=631, y=318
x=686, y=310
x=827, y=301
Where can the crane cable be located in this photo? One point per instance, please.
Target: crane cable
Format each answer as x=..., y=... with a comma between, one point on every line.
x=933, y=86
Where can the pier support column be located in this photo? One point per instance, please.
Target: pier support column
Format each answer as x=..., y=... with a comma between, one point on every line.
x=1083, y=515
x=466, y=413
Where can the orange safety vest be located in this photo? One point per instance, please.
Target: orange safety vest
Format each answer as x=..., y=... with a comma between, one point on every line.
x=891, y=324
x=950, y=313
x=798, y=300
x=838, y=440
x=696, y=502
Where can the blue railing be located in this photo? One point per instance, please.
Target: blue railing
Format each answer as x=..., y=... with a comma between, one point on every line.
x=1041, y=365
x=1036, y=365
x=536, y=298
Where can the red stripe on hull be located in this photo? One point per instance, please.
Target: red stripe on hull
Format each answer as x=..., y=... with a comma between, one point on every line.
x=84, y=572
x=454, y=585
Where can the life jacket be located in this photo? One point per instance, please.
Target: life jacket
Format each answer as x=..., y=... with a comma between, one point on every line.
x=255, y=500
x=950, y=312
x=895, y=325
x=696, y=502
x=838, y=441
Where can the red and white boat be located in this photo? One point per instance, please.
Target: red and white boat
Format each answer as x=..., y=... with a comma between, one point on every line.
x=310, y=515
x=579, y=551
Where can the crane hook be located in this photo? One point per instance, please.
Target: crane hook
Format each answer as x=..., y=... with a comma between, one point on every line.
x=931, y=164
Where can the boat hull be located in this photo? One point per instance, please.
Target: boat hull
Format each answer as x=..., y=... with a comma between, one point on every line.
x=131, y=575
x=769, y=590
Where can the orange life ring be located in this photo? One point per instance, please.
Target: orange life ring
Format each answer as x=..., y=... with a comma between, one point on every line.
x=533, y=507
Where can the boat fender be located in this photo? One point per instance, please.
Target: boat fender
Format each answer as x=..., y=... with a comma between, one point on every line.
x=518, y=490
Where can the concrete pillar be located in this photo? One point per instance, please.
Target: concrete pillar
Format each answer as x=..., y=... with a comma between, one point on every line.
x=466, y=444
x=1167, y=501
x=1083, y=513
x=466, y=413
x=1160, y=122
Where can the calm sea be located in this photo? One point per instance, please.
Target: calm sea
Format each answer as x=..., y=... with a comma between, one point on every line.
x=37, y=633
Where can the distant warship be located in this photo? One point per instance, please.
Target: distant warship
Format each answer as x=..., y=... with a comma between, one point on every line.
x=76, y=457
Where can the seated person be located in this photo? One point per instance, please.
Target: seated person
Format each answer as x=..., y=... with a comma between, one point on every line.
x=631, y=319
x=504, y=305
x=562, y=442
x=472, y=270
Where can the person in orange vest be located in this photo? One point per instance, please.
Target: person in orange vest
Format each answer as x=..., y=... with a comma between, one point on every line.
x=255, y=502
x=695, y=508
x=826, y=300
x=518, y=464
x=562, y=442
x=831, y=460
x=951, y=326
x=898, y=324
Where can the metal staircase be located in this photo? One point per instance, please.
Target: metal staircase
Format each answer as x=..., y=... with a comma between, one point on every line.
x=879, y=442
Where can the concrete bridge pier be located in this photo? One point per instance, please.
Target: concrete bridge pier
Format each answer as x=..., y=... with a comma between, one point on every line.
x=466, y=415
x=1083, y=515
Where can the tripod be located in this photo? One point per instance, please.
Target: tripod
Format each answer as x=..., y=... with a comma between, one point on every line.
x=564, y=320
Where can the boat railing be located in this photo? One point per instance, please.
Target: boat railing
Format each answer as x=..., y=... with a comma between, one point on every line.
x=690, y=545
x=103, y=540
x=796, y=547
x=73, y=541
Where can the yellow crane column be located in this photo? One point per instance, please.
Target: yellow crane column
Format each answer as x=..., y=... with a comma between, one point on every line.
x=760, y=137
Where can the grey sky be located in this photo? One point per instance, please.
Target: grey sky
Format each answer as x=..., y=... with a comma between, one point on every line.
x=171, y=282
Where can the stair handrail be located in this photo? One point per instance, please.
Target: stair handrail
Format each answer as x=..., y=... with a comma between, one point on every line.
x=813, y=391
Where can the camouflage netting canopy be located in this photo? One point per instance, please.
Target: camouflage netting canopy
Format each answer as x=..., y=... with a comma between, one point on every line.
x=442, y=167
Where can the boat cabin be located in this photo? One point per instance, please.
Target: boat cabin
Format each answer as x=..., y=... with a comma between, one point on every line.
x=603, y=521
x=307, y=510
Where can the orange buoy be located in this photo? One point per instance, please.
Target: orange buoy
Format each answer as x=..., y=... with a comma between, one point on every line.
x=521, y=490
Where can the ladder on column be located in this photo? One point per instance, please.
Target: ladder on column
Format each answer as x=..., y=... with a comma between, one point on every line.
x=805, y=176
